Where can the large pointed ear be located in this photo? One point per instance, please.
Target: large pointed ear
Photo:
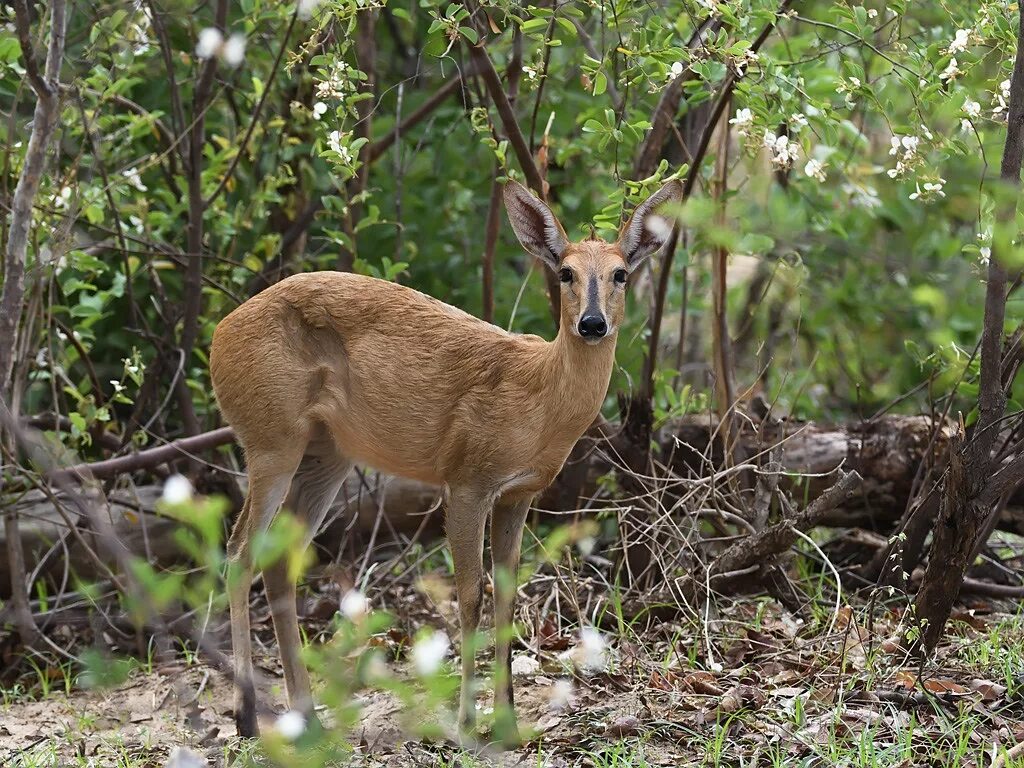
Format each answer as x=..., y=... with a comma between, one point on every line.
x=534, y=224
x=647, y=231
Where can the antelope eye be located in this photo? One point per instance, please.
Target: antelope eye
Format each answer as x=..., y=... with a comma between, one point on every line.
x=565, y=275
x=619, y=276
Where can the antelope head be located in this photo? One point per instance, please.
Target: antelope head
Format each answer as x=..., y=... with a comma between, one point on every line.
x=592, y=272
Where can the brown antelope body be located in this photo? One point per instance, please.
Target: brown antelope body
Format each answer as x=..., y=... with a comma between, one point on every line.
x=327, y=369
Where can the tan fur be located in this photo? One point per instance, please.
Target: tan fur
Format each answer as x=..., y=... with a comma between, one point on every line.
x=326, y=369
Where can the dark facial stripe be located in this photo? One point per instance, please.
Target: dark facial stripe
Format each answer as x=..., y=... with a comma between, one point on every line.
x=593, y=305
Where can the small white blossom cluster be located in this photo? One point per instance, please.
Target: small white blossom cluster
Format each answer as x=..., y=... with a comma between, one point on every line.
x=863, y=196
x=354, y=605
x=961, y=40
x=815, y=169
x=973, y=111
x=290, y=725
x=743, y=121
x=1001, y=101
x=675, y=70
x=905, y=150
x=336, y=84
x=590, y=654
x=212, y=43
x=305, y=8
x=428, y=653
x=930, y=190
x=740, y=63
x=177, y=490
x=985, y=247
x=138, y=33
x=797, y=122
x=133, y=178
x=335, y=143
x=62, y=199
x=561, y=695
x=848, y=86
x=710, y=5
x=950, y=73
x=783, y=151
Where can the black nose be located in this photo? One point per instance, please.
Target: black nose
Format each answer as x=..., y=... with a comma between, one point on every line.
x=593, y=326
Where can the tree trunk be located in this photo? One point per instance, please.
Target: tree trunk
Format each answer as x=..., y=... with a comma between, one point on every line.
x=968, y=493
x=44, y=124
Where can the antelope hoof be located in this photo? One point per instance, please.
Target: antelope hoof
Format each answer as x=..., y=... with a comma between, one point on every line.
x=245, y=722
x=506, y=730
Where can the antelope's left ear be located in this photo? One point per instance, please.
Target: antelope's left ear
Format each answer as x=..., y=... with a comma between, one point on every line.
x=647, y=231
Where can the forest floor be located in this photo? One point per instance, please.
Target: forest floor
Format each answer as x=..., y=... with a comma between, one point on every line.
x=754, y=686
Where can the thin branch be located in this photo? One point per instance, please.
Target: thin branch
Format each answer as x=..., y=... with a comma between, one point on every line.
x=724, y=95
x=185, y=448
x=44, y=124
x=255, y=115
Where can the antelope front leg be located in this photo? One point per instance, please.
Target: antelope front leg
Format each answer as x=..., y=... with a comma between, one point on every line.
x=465, y=518
x=507, y=523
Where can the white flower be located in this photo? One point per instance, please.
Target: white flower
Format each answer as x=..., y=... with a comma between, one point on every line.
x=872, y=13
x=61, y=200
x=741, y=63
x=233, y=51
x=711, y=5
x=524, y=665
x=905, y=149
x=1001, y=99
x=428, y=653
x=306, y=7
x=951, y=71
x=972, y=108
x=591, y=655
x=815, y=169
x=133, y=178
x=784, y=151
x=929, y=190
x=965, y=125
x=960, y=41
x=863, y=196
x=41, y=356
x=210, y=41
x=855, y=82
x=354, y=605
x=318, y=110
x=290, y=725
x=984, y=254
x=334, y=144
x=117, y=385
x=561, y=694
x=798, y=121
x=743, y=121
x=177, y=490
x=744, y=117
x=182, y=757
x=676, y=70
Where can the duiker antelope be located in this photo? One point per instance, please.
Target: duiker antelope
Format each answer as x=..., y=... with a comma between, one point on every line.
x=327, y=369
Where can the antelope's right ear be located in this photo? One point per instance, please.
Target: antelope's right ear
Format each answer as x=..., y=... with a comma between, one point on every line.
x=534, y=224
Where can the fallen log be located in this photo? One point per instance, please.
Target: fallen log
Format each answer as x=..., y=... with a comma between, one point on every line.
x=885, y=452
